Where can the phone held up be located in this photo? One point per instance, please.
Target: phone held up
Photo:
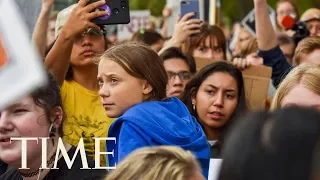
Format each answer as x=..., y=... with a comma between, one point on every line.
x=187, y=6
x=119, y=12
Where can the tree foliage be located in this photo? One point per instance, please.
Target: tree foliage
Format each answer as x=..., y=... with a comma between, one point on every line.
x=236, y=10
x=155, y=6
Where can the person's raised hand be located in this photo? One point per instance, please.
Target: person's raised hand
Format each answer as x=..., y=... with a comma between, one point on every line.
x=257, y=2
x=47, y=5
x=251, y=60
x=166, y=12
x=241, y=63
x=81, y=16
x=185, y=27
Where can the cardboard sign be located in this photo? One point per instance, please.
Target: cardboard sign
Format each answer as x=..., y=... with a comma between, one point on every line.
x=21, y=70
x=256, y=83
x=138, y=20
x=250, y=22
x=214, y=169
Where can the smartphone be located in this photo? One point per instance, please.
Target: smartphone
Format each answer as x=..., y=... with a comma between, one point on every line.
x=119, y=12
x=187, y=6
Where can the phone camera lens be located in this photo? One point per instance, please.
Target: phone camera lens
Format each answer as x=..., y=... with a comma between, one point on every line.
x=115, y=11
x=123, y=4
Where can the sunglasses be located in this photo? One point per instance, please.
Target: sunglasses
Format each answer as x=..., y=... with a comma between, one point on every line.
x=91, y=32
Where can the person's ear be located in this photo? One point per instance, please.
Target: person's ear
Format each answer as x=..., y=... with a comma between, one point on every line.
x=57, y=116
x=146, y=88
x=193, y=96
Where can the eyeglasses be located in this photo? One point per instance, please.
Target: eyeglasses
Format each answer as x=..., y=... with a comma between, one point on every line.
x=91, y=32
x=182, y=75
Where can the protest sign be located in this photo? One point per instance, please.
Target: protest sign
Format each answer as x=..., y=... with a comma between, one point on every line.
x=214, y=169
x=256, y=85
x=21, y=70
x=256, y=82
x=250, y=22
x=138, y=20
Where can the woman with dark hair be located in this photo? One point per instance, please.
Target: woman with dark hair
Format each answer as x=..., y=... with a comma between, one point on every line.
x=133, y=85
x=40, y=115
x=280, y=145
x=216, y=97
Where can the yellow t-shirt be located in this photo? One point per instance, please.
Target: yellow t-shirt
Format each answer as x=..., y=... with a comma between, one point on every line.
x=85, y=117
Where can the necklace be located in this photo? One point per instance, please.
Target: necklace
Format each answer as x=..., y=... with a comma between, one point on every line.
x=36, y=172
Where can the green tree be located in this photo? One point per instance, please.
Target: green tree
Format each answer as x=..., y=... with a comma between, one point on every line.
x=156, y=7
x=138, y=4
x=236, y=10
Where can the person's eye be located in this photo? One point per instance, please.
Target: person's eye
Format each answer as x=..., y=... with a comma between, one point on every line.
x=217, y=50
x=210, y=92
x=186, y=76
x=202, y=49
x=114, y=80
x=170, y=75
x=19, y=111
x=100, y=82
x=230, y=96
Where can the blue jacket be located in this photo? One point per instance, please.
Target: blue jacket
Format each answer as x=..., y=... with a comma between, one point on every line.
x=156, y=123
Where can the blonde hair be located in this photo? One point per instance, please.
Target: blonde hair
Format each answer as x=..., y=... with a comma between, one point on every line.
x=305, y=47
x=156, y=163
x=251, y=47
x=306, y=74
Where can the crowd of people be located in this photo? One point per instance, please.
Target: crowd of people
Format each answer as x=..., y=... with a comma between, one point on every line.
x=168, y=117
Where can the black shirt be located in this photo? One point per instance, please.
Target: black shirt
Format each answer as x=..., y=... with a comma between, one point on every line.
x=3, y=167
x=63, y=172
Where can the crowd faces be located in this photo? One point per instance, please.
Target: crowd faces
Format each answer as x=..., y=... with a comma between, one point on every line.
x=172, y=104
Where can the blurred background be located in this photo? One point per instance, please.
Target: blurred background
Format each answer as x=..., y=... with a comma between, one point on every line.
x=231, y=10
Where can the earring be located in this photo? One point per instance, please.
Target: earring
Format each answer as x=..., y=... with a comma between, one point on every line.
x=52, y=131
x=194, y=106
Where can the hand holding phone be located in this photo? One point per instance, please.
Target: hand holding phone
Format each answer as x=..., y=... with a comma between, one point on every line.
x=188, y=24
x=79, y=19
x=118, y=12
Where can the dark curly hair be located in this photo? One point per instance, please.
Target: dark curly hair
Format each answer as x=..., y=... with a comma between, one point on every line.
x=48, y=97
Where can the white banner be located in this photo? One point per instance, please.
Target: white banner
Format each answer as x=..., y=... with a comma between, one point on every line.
x=21, y=69
x=138, y=20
